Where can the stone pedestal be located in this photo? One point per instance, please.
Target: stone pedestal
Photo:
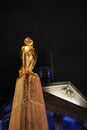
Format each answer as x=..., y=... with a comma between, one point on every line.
x=28, y=110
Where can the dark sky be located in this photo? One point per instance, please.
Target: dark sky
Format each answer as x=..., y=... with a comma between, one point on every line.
x=57, y=28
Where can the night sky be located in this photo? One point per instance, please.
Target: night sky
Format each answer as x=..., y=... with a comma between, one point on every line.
x=57, y=28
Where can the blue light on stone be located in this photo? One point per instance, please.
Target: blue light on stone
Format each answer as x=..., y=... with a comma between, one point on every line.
x=69, y=119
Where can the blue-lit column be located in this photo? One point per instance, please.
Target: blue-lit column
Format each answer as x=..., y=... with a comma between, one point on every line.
x=58, y=121
x=0, y=124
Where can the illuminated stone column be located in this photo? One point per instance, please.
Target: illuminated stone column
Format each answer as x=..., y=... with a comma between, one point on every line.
x=58, y=121
x=28, y=111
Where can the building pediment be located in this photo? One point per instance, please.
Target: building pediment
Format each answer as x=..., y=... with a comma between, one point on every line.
x=66, y=91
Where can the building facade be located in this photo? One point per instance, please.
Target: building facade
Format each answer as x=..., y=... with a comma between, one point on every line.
x=66, y=108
